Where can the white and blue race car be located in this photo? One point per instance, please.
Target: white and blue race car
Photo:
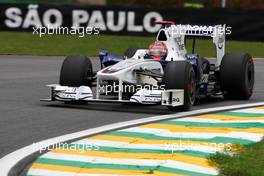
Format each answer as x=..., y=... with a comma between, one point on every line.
x=162, y=74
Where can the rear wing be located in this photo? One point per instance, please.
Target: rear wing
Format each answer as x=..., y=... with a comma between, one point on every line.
x=217, y=33
x=197, y=30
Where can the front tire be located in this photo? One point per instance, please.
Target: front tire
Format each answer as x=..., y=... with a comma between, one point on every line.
x=237, y=76
x=181, y=75
x=76, y=71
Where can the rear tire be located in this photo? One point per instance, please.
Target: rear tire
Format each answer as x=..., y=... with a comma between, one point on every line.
x=130, y=52
x=237, y=76
x=181, y=75
x=76, y=71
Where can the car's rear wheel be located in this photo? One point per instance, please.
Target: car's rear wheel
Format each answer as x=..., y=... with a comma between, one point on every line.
x=130, y=52
x=181, y=75
x=76, y=71
x=237, y=76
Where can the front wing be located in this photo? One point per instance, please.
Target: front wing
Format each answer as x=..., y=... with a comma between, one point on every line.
x=172, y=97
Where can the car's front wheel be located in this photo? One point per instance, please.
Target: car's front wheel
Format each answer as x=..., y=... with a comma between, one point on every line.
x=76, y=71
x=181, y=75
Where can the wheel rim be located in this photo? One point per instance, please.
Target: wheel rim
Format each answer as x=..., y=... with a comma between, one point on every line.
x=249, y=77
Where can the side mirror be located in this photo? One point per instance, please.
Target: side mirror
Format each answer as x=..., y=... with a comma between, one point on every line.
x=102, y=54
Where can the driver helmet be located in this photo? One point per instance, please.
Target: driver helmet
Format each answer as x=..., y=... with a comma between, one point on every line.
x=158, y=50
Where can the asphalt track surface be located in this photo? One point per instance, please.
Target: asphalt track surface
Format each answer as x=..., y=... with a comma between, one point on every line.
x=25, y=120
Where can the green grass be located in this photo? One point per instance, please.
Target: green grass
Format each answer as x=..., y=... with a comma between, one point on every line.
x=248, y=162
x=23, y=43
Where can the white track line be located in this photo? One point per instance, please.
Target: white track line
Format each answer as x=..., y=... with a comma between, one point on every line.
x=250, y=110
x=44, y=172
x=167, y=133
x=195, y=119
x=175, y=147
x=10, y=160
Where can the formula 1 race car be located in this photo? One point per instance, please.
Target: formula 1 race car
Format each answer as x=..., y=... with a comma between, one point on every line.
x=162, y=74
